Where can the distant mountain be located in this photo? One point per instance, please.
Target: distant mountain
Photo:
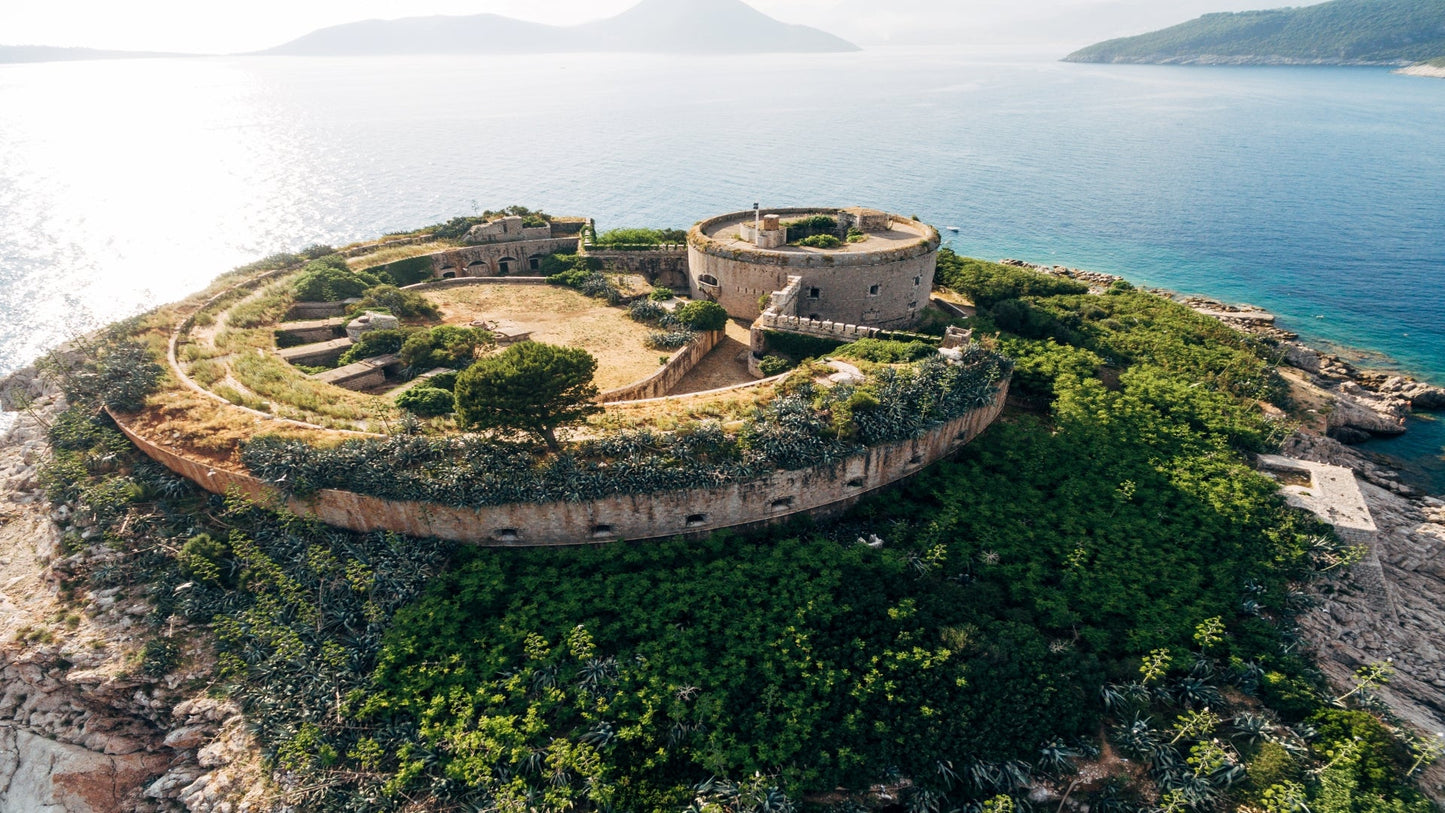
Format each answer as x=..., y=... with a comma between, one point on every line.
x=661, y=26
x=1340, y=32
x=46, y=53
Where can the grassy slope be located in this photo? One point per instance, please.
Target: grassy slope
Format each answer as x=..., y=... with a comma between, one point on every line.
x=1340, y=31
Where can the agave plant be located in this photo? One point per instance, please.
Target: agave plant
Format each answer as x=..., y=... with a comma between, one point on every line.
x=1054, y=756
x=600, y=735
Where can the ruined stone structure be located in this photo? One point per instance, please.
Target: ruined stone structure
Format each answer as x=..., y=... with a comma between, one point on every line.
x=506, y=247
x=883, y=281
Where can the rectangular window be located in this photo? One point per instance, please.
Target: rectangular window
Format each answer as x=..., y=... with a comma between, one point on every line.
x=872, y=290
x=917, y=281
x=814, y=293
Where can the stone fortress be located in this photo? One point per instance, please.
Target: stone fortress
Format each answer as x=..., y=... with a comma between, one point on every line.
x=882, y=280
x=874, y=277
x=879, y=280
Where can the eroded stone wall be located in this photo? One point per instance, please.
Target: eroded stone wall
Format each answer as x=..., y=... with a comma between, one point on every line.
x=819, y=492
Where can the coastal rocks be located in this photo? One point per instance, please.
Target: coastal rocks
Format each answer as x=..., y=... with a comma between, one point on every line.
x=38, y=774
x=81, y=729
x=1094, y=279
x=1423, y=69
x=1420, y=395
x=1361, y=410
x=1394, y=612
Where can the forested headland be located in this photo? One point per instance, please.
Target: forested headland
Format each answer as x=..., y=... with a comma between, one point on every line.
x=1339, y=32
x=1091, y=605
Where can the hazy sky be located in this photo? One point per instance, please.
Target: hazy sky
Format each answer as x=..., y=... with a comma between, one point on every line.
x=187, y=25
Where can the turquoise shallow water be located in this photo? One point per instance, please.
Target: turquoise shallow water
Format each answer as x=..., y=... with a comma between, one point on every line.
x=1313, y=192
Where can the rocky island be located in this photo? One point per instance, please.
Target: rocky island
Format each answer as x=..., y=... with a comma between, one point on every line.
x=1157, y=579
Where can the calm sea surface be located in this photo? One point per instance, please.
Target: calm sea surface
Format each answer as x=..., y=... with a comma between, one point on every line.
x=1317, y=193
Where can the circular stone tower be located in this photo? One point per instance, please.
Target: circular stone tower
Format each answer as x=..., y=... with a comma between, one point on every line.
x=878, y=274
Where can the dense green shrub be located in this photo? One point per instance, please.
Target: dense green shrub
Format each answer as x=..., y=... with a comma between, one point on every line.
x=986, y=284
x=703, y=314
x=797, y=347
x=805, y=227
x=639, y=238
x=444, y=346
x=582, y=274
x=428, y=402
x=444, y=381
x=819, y=241
x=886, y=351
x=330, y=279
x=774, y=365
x=660, y=294
x=112, y=370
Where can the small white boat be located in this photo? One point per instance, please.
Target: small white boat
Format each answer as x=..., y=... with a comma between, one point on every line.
x=953, y=229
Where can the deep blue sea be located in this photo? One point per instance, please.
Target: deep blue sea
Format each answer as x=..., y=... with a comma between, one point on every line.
x=1314, y=192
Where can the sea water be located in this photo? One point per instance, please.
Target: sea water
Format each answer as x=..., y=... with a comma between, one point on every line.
x=1314, y=192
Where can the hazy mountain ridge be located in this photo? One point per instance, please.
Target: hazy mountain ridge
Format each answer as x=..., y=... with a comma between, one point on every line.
x=50, y=53
x=660, y=26
x=1340, y=32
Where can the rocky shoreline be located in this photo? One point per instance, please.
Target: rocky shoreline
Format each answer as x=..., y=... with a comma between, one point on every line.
x=83, y=728
x=1423, y=69
x=1352, y=405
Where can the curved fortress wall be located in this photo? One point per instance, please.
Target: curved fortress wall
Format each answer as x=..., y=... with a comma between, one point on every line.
x=882, y=282
x=822, y=491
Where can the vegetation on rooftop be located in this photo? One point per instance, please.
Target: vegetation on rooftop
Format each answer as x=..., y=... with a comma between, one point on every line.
x=629, y=238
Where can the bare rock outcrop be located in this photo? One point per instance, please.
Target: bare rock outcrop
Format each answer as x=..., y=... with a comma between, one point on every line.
x=1350, y=627
x=82, y=730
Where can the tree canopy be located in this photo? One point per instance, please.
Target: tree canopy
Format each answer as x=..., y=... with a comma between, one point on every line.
x=529, y=387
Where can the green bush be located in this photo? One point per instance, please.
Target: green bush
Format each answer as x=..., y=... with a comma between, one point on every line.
x=444, y=346
x=444, y=381
x=661, y=294
x=819, y=241
x=986, y=284
x=805, y=227
x=797, y=347
x=330, y=279
x=639, y=237
x=399, y=303
x=886, y=351
x=703, y=314
x=774, y=365
x=428, y=402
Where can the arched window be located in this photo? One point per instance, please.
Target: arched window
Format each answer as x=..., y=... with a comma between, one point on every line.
x=505, y=265
x=707, y=279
